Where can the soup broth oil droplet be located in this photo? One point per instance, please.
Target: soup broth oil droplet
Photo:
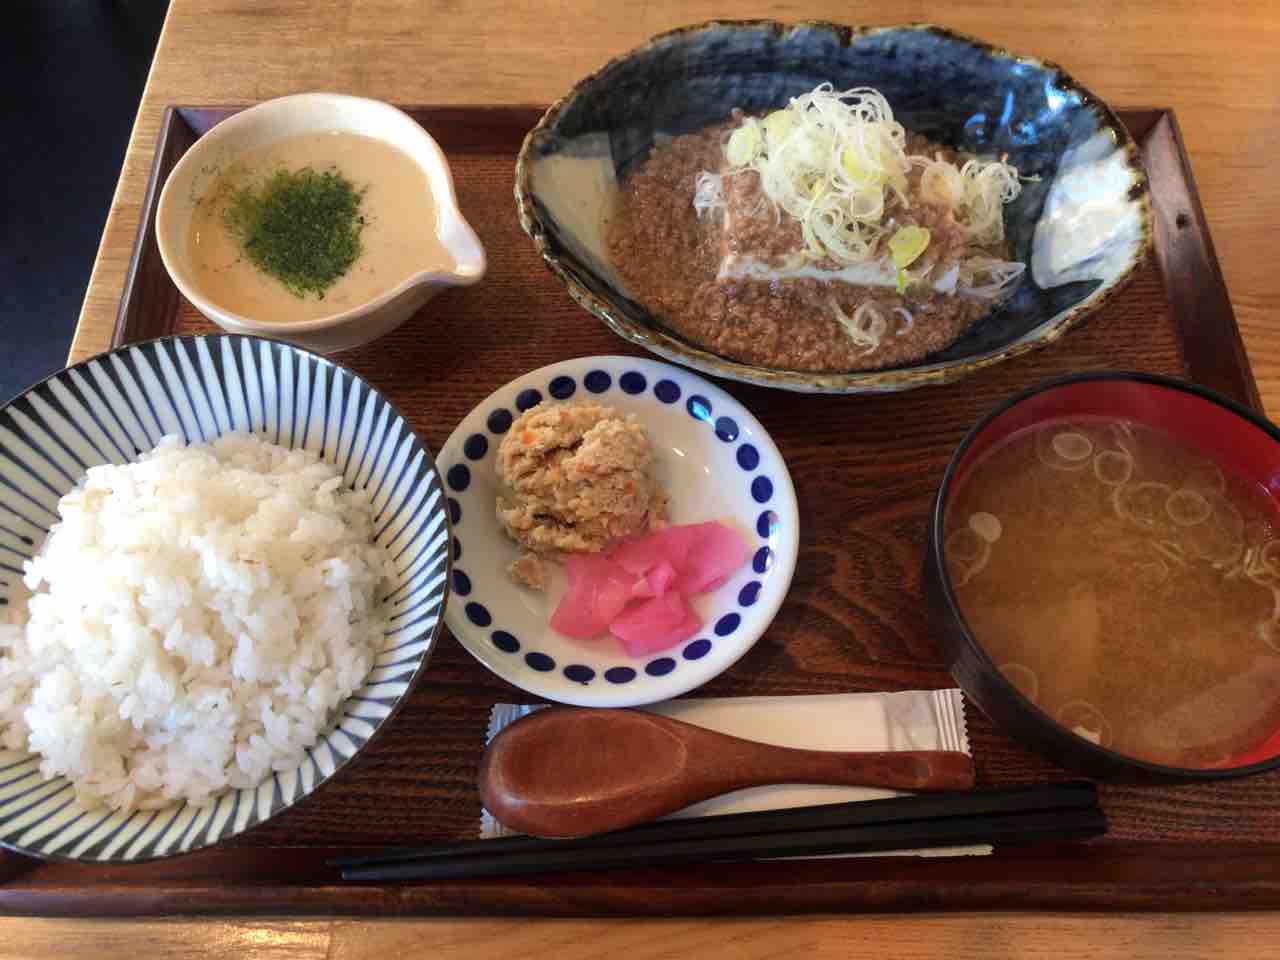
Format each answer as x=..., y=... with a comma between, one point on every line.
x=1063, y=449
x=1186, y=508
x=1072, y=446
x=1113, y=467
x=986, y=525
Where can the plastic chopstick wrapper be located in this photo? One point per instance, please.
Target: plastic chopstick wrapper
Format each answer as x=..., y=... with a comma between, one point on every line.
x=910, y=720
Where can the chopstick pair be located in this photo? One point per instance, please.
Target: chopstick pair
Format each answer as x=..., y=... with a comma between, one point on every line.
x=1017, y=815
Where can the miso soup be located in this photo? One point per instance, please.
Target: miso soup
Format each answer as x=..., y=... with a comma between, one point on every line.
x=1126, y=585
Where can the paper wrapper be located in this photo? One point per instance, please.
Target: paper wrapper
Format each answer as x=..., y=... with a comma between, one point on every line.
x=912, y=720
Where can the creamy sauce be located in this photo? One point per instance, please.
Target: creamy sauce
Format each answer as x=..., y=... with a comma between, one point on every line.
x=400, y=237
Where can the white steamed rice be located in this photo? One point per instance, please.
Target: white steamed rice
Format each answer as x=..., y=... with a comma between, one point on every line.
x=197, y=616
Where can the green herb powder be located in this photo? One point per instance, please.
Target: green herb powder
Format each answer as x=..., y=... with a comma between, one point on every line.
x=300, y=226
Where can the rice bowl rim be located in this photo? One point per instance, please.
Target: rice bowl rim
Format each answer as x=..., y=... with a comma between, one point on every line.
x=341, y=763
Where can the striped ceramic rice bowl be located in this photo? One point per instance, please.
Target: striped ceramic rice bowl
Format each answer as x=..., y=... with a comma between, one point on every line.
x=113, y=409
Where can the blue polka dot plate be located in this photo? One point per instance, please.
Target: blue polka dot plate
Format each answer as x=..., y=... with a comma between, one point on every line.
x=717, y=463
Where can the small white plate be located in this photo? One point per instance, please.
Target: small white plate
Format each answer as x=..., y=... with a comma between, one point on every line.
x=716, y=462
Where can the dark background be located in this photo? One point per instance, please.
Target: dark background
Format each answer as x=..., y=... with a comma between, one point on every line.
x=72, y=73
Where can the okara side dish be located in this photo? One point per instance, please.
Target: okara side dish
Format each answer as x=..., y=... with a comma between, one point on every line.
x=1127, y=586
x=197, y=617
x=823, y=236
x=312, y=225
x=576, y=478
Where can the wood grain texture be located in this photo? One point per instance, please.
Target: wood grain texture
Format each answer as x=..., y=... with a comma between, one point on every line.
x=990, y=936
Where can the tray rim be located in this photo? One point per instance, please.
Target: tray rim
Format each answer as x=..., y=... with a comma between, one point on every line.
x=1168, y=876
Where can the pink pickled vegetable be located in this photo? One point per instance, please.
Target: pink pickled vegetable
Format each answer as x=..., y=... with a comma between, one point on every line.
x=670, y=545
x=656, y=581
x=598, y=591
x=715, y=553
x=639, y=591
x=655, y=624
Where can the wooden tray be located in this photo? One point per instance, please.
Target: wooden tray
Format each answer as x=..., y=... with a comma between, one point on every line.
x=865, y=469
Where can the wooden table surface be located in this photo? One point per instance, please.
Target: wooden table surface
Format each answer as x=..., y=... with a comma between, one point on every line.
x=1214, y=63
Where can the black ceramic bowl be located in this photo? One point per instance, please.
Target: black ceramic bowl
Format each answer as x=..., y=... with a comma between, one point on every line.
x=1229, y=434
x=1082, y=226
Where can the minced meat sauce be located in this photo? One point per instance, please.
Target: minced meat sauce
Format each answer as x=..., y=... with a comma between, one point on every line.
x=674, y=261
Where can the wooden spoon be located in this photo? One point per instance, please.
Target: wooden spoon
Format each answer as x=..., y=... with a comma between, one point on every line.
x=571, y=771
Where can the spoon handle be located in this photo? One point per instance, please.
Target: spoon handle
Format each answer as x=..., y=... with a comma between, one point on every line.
x=916, y=770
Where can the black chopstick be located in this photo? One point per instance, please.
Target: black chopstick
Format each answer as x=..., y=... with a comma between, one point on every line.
x=1072, y=795
x=1056, y=825
x=1061, y=812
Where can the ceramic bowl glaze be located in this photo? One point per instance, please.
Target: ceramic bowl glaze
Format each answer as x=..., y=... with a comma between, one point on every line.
x=1083, y=226
x=1234, y=437
x=118, y=405
x=312, y=113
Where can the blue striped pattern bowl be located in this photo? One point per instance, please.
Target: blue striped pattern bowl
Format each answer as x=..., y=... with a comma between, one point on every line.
x=116, y=406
